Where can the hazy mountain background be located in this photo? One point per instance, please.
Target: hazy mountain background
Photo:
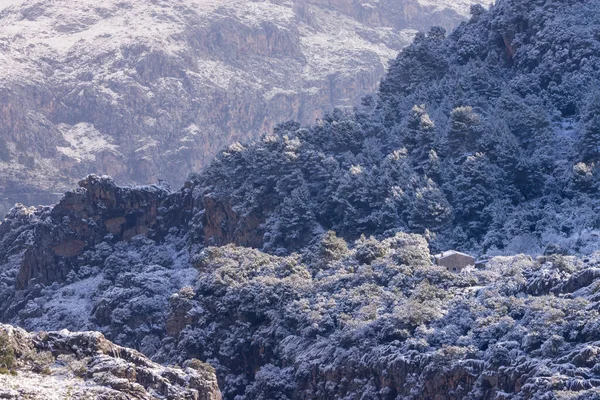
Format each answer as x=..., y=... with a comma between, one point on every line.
x=147, y=90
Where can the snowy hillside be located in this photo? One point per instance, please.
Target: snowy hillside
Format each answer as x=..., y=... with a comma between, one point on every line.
x=367, y=319
x=157, y=88
x=299, y=265
x=485, y=139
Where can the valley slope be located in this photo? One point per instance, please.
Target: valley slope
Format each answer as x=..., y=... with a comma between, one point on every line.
x=152, y=90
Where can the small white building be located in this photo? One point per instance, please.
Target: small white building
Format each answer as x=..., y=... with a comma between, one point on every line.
x=453, y=260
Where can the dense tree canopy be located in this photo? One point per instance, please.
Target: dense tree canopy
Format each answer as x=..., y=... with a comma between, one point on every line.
x=470, y=133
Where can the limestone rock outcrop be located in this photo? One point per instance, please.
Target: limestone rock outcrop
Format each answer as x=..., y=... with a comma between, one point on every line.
x=79, y=365
x=82, y=218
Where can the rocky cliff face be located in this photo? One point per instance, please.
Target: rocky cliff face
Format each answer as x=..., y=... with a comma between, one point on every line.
x=81, y=219
x=142, y=91
x=83, y=365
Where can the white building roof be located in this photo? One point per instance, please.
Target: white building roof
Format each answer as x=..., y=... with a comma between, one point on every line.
x=449, y=253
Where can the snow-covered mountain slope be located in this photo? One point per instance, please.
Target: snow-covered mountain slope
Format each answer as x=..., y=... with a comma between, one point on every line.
x=145, y=90
x=292, y=265
x=486, y=138
x=373, y=319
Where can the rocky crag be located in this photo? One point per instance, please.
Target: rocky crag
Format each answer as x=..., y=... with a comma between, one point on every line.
x=152, y=90
x=84, y=365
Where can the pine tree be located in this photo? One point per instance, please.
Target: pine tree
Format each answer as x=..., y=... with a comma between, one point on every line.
x=463, y=134
x=291, y=227
x=420, y=135
x=429, y=208
x=472, y=190
x=590, y=136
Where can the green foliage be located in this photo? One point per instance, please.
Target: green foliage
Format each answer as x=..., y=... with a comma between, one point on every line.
x=368, y=250
x=40, y=361
x=7, y=353
x=187, y=292
x=325, y=250
x=462, y=119
x=562, y=263
x=77, y=366
x=6, y=371
x=199, y=366
x=590, y=135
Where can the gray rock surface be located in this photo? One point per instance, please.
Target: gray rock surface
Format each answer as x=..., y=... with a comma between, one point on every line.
x=84, y=365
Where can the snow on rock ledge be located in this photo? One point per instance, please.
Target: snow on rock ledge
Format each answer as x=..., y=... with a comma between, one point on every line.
x=48, y=365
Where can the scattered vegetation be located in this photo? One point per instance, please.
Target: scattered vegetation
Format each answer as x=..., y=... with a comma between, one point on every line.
x=7, y=354
x=77, y=366
x=271, y=325
x=199, y=366
x=39, y=361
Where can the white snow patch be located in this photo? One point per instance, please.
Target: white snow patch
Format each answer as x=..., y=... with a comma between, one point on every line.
x=85, y=141
x=193, y=129
x=9, y=3
x=460, y=5
x=75, y=300
x=58, y=386
x=214, y=73
x=147, y=144
x=279, y=91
